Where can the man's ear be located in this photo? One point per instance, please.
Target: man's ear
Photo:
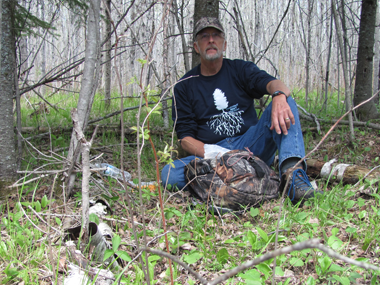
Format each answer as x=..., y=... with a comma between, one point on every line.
x=225, y=46
x=196, y=47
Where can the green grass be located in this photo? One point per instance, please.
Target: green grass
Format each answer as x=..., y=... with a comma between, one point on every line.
x=343, y=219
x=338, y=218
x=60, y=116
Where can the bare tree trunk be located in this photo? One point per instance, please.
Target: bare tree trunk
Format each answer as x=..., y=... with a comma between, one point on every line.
x=165, y=72
x=86, y=146
x=363, y=84
x=308, y=50
x=345, y=71
x=242, y=48
x=183, y=39
x=43, y=51
x=107, y=56
x=258, y=33
x=328, y=66
x=376, y=58
x=1, y=31
x=338, y=67
x=203, y=8
x=23, y=53
x=89, y=81
x=18, y=121
x=8, y=162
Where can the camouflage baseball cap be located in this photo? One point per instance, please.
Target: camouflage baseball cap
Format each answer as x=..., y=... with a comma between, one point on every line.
x=207, y=22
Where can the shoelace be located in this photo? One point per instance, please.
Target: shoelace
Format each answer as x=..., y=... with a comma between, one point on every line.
x=302, y=179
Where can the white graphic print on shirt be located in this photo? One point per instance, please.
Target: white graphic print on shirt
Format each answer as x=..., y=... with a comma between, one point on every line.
x=229, y=121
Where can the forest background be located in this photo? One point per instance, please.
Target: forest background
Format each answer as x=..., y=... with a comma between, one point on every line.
x=102, y=56
x=310, y=45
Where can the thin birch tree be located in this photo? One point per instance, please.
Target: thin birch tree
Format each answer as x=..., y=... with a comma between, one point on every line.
x=89, y=84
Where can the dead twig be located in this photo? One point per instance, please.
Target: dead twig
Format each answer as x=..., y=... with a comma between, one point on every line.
x=22, y=209
x=42, y=220
x=365, y=176
x=28, y=181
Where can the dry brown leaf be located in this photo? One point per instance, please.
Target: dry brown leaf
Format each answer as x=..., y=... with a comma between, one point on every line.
x=186, y=246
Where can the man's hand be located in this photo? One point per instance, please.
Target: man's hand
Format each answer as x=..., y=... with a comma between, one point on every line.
x=282, y=115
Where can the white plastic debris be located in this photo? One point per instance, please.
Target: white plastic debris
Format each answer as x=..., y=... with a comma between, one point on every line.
x=98, y=209
x=113, y=171
x=76, y=276
x=105, y=230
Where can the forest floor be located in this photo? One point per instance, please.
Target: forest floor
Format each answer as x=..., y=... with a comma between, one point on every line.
x=34, y=228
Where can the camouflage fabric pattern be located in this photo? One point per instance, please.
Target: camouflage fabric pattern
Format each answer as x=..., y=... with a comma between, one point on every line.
x=207, y=22
x=235, y=180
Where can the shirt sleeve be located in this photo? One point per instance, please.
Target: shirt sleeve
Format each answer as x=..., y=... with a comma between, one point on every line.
x=255, y=79
x=182, y=113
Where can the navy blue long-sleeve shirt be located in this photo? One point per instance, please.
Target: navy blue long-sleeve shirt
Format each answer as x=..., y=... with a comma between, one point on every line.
x=212, y=108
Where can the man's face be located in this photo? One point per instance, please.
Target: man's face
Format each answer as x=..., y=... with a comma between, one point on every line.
x=210, y=44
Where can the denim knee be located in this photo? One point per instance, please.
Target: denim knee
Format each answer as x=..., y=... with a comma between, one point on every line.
x=175, y=175
x=164, y=175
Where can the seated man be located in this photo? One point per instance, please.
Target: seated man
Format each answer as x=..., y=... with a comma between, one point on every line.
x=213, y=110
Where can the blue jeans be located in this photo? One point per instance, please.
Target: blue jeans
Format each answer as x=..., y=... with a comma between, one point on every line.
x=261, y=141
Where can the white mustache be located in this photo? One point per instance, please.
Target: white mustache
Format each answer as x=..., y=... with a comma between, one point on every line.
x=212, y=47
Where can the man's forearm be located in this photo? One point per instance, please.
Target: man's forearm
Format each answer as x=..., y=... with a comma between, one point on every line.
x=277, y=85
x=193, y=146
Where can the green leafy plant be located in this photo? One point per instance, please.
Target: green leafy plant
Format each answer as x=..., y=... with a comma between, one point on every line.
x=116, y=241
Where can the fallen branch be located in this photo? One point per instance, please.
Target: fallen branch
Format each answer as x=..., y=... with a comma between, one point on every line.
x=342, y=122
x=347, y=173
x=313, y=243
x=176, y=260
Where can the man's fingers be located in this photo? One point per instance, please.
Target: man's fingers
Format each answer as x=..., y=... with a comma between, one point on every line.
x=284, y=126
x=282, y=119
